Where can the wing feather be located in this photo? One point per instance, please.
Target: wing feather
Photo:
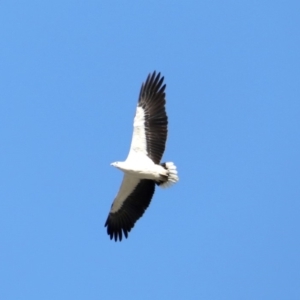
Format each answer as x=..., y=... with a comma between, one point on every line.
x=150, y=127
x=128, y=208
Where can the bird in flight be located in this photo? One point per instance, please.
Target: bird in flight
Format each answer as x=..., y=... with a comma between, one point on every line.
x=142, y=168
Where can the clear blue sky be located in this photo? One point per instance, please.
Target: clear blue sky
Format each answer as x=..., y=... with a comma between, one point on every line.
x=70, y=74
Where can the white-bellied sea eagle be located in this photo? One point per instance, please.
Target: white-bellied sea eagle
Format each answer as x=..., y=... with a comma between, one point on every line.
x=142, y=168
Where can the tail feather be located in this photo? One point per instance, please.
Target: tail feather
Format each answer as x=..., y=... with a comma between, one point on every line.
x=172, y=175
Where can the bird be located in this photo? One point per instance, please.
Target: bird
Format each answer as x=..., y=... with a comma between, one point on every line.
x=142, y=168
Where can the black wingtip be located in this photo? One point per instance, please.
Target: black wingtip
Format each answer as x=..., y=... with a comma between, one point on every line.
x=116, y=230
x=154, y=83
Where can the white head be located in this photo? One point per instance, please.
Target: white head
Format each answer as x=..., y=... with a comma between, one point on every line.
x=114, y=164
x=117, y=164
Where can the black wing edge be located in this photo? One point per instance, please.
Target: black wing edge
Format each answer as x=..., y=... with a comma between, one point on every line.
x=152, y=86
x=152, y=100
x=121, y=222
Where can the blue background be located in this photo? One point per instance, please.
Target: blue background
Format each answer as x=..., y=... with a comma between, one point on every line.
x=70, y=74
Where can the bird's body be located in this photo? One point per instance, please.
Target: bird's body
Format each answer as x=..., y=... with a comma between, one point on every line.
x=142, y=168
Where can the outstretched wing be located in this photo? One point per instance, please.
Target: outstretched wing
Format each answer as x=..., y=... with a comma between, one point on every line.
x=150, y=127
x=129, y=205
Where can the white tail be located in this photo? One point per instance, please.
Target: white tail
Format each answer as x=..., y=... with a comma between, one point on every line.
x=172, y=174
